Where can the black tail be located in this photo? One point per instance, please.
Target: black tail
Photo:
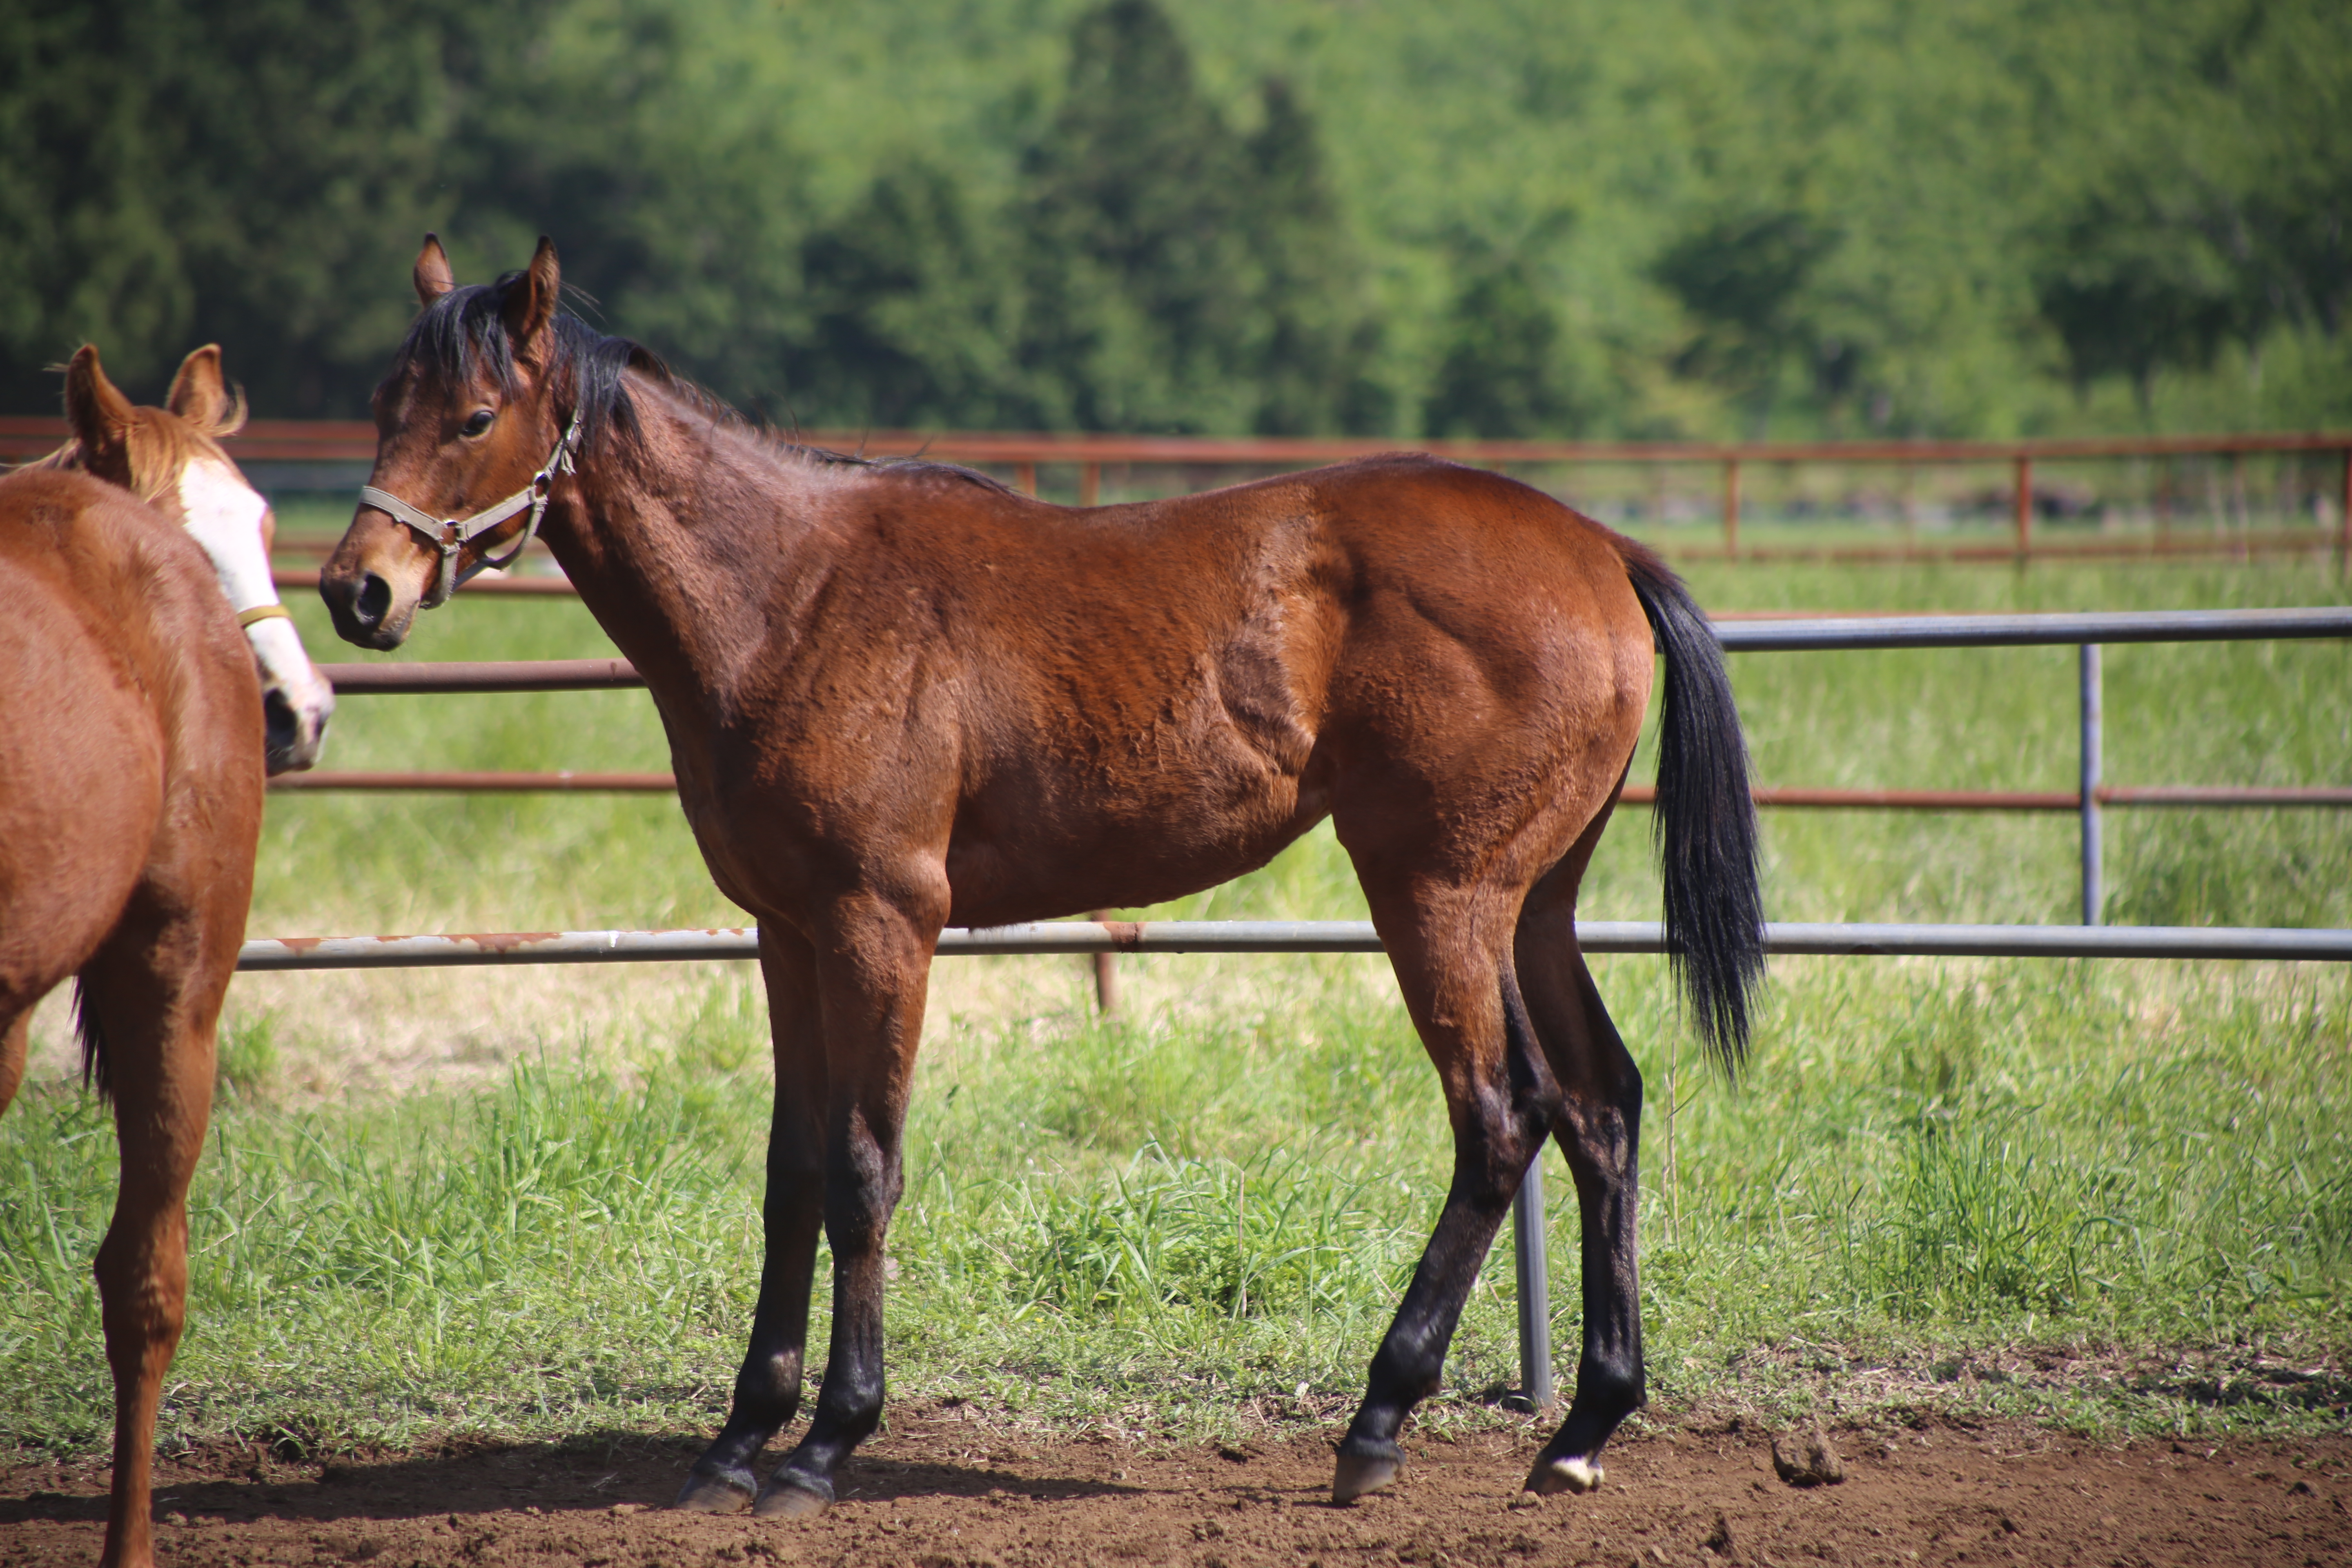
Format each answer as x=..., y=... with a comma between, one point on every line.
x=94, y=1067
x=1705, y=821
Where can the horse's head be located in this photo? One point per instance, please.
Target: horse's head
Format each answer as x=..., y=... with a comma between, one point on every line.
x=469, y=439
x=171, y=459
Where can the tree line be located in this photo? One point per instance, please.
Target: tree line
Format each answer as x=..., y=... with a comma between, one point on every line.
x=1580, y=217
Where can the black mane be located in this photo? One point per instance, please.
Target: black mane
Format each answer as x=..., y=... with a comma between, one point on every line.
x=464, y=330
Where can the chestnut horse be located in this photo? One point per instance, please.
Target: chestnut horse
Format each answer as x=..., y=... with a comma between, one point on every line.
x=131, y=763
x=901, y=696
x=171, y=457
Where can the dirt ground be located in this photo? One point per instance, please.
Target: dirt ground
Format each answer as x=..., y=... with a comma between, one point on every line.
x=936, y=1493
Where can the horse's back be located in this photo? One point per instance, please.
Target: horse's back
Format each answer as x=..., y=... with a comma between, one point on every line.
x=130, y=723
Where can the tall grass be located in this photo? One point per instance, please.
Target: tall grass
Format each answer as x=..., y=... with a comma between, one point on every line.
x=1200, y=1217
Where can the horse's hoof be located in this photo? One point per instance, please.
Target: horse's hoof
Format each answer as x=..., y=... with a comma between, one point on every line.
x=1361, y=1473
x=1553, y=1477
x=728, y=1491
x=793, y=1497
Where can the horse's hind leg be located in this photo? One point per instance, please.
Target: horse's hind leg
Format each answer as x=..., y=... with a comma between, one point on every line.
x=768, y=1387
x=1599, y=1130
x=15, y=1037
x=1451, y=962
x=153, y=994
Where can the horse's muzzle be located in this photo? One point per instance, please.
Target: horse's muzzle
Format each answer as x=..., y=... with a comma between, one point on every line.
x=368, y=609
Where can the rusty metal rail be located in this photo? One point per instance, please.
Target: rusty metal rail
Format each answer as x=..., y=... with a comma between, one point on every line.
x=1822, y=635
x=2087, y=632
x=1782, y=938
x=352, y=442
x=566, y=782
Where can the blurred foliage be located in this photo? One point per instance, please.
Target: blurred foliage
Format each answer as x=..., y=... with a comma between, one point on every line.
x=1573, y=217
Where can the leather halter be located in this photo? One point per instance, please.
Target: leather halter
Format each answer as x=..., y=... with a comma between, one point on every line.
x=451, y=535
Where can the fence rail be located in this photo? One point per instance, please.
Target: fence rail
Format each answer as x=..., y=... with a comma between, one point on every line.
x=2187, y=796
x=2283, y=943
x=1822, y=635
x=354, y=441
x=317, y=447
x=2086, y=631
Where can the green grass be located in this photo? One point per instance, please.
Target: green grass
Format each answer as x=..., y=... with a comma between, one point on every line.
x=2108, y=1195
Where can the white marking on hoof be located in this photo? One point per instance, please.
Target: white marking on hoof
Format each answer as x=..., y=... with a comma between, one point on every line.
x=1569, y=1475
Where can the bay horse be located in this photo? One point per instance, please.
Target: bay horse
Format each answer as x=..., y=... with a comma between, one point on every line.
x=899, y=695
x=133, y=746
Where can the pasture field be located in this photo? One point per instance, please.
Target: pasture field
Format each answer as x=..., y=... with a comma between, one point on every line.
x=523, y=1205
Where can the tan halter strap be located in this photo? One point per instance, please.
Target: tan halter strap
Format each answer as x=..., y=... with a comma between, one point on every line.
x=452, y=535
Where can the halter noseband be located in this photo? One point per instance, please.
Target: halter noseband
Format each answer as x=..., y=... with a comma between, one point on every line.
x=451, y=535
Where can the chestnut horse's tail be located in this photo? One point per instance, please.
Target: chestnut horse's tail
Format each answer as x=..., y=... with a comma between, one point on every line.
x=1705, y=821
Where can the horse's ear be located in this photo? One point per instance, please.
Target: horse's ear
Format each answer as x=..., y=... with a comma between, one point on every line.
x=202, y=397
x=531, y=297
x=100, y=415
x=431, y=275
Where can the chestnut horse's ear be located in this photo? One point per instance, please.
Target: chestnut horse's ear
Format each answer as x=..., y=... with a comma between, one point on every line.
x=98, y=416
x=202, y=397
x=431, y=275
x=531, y=297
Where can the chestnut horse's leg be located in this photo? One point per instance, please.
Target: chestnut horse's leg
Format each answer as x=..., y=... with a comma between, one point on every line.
x=872, y=976
x=14, y=1036
x=154, y=992
x=1450, y=952
x=1599, y=1129
x=768, y=1388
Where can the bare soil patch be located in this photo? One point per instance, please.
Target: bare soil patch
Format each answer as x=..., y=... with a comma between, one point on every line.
x=939, y=1493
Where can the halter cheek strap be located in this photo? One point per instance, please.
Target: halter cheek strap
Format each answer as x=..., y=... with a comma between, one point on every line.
x=451, y=535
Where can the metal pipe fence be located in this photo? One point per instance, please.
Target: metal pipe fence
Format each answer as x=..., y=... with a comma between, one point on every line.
x=2086, y=631
x=1781, y=939
x=317, y=452
x=2089, y=940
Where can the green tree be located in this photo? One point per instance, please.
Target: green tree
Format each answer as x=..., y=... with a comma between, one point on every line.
x=1747, y=279
x=172, y=170
x=907, y=322
x=1136, y=261
x=1501, y=375
x=1318, y=339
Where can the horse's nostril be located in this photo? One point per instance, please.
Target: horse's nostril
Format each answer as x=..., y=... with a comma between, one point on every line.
x=281, y=727
x=374, y=599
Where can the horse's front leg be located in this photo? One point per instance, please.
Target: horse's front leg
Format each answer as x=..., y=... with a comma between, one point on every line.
x=768, y=1388
x=871, y=975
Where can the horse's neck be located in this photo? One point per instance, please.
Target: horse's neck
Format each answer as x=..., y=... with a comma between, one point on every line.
x=680, y=545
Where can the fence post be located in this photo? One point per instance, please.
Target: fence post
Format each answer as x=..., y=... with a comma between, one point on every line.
x=1535, y=1287
x=1730, y=507
x=2024, y=505
x=2094, y=896
x=1089, y=484
x=1106, y=975
x=1024, y=478
x=2344, y=520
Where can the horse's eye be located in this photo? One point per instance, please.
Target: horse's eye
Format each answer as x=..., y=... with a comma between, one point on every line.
x=478, y=423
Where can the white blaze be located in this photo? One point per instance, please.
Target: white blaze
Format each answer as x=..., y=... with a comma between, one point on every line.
x=225, y=516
